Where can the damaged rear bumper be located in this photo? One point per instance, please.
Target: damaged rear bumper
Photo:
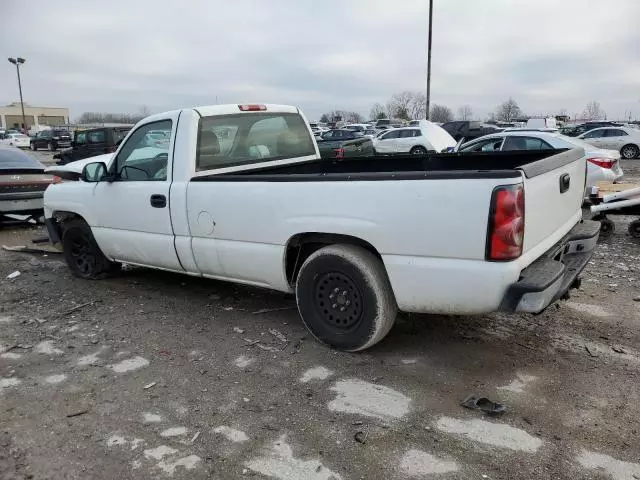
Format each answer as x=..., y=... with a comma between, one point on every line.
x=555, y=273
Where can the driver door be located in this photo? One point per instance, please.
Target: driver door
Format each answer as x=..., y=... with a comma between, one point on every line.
x=133, y=223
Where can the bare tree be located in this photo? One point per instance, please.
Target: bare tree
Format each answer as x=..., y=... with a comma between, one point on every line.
x=400, y=104
x=508, y=110
x=377, y=112
x=465, y=112
x=593, y=111
x=341, y=115
x=98, y=117
x=418, y=106
x=440, y=113
x=144, y=111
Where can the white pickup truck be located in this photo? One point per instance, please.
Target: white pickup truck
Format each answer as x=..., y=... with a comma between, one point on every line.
x=239, y=193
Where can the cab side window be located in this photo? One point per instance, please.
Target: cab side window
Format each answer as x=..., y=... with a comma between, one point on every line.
x=138, y=161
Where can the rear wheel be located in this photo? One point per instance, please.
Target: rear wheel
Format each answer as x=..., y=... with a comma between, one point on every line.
x=418, y=151
x=344, y=297
x=634, y=229
x=83, y=255
x=629, y=151
x=607, y=227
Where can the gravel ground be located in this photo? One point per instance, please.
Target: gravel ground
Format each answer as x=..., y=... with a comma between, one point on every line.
x=156, y=375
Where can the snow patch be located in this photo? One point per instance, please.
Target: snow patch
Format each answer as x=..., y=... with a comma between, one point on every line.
x=231, y=434
x=316, y=373
x=5, y=319
x=173, y=432
x=9, y=382
x=496, y=434
x=47, y=348
x=148, y=417
x=589, y=309
x=364, y=398
x=519, y=384
x=243, y=362
x=91, y=359
x=116, y=440
x=617, y=469
x=129, y=364
x=280, y=463
x=57, y=378
x=10, y=355
x=189, y=463
x=159, y=453
x=416, y=463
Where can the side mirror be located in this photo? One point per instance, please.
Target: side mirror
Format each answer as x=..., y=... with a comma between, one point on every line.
x=94, y=172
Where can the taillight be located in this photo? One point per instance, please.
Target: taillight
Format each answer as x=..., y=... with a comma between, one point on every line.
x=56, y=179
x=252, y=108
x=338, y=152
x=602, y=162
x=506, y=223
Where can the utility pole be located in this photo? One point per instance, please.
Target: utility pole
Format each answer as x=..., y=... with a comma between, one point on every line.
x=17, y=62
x=429, y=60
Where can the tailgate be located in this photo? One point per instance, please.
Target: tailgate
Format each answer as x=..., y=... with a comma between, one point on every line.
x=554, y=192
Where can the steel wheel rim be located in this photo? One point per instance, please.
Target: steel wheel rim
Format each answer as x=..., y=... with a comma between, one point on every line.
x=338, y=301
x=82, y=254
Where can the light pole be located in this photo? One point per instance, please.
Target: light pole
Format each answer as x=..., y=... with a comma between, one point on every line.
x=17, y=62
x=429, y=59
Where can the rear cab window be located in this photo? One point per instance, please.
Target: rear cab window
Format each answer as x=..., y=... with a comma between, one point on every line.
x=246, y=138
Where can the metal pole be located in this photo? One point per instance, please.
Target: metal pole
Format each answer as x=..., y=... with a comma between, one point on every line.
x=429, y=60
x=24, y=119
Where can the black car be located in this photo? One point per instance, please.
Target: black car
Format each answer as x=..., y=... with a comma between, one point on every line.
x=51, y=139
x=469, y=129
x=576, y=130
x=89, y=143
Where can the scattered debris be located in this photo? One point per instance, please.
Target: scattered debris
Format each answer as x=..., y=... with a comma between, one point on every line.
x=195, y=437
x=618, y=349
x=78, y=307
x=279, y=335
x=636, y=299
x=13, y=275
x=357, y=423
x=227, y=309
x=475, y=402
x=361, y=437
x=267, y=348
x=238, y=330
x=251, y=342
x=590, y=352
x=148, y=386
x=77, y=414
x=269, y=310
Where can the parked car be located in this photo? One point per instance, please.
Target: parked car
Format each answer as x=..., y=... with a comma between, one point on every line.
x=266, y=210
x=625, y=140
x=343, y=143
x=51, y=139
x=370, y=132
x=468, y=130
x=428, y=137
x=92, y=142
x=602, y=165
x=15, y=140
x=577, y=130
x=22, y=183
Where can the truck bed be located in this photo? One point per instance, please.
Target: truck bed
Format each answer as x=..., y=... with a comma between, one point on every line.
x=406, y=167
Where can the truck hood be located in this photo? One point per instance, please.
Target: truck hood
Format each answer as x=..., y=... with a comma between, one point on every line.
x=73, y=170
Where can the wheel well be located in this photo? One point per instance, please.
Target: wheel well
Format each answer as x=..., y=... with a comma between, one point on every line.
x=60, y=217
x=302, y=245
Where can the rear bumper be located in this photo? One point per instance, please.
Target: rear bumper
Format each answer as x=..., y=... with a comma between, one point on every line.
x=555, y=273
x=21, y=205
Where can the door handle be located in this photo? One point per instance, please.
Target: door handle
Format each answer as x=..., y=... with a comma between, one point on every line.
x=565, y=182
x=158, y=201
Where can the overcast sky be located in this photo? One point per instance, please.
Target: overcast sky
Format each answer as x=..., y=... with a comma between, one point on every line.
x=322, y=55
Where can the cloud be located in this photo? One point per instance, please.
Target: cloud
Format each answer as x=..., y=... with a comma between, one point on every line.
x=327, y=55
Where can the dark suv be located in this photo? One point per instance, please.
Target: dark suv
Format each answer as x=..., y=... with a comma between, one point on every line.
x=469, y=129
x=89, y=143
x=51, y=139
x=575, y=130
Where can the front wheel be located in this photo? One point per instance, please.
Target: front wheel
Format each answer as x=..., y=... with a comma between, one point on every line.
x=344, y=297
x=418, y=151
x=629, y=151
x=83, y=255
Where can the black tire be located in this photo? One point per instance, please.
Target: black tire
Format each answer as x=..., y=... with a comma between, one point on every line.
x=363, y=307
x=634, y=229
x=629, y=152
x=607, y=227
x=83, y=255
x=418, y=151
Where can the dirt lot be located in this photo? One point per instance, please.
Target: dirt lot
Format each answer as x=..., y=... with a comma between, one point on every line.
x=155, y=375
